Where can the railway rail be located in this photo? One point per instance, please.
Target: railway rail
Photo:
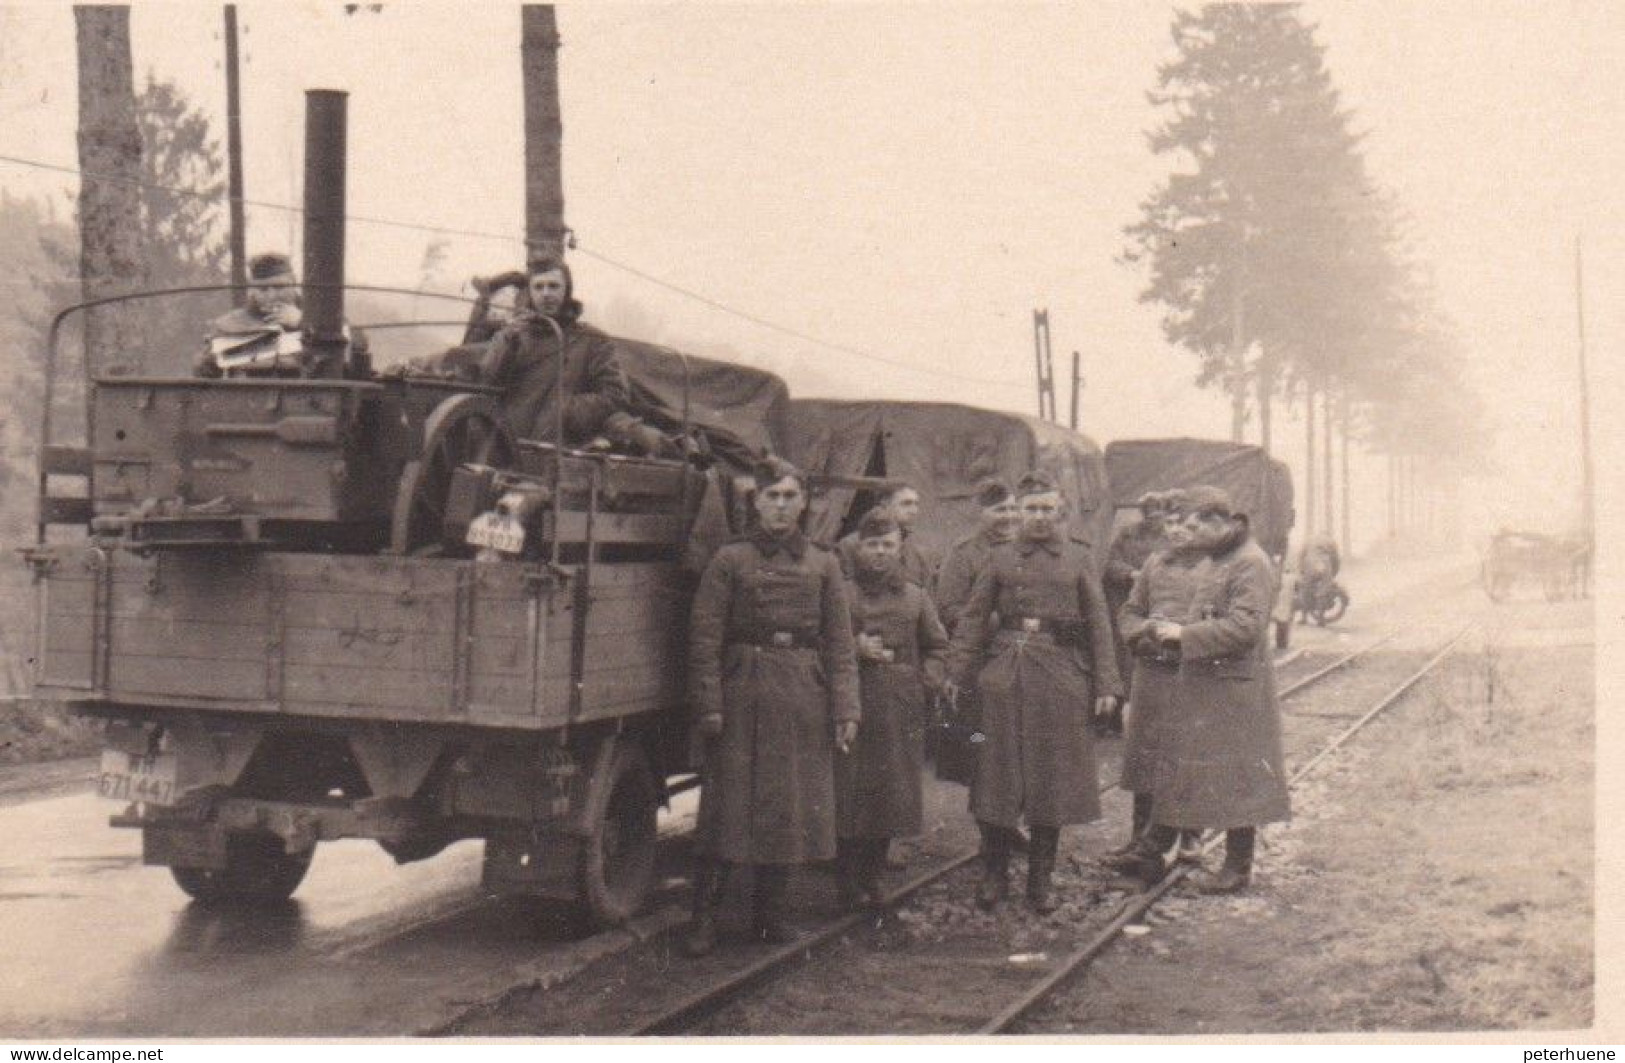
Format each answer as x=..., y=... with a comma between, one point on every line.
x=694, y=1009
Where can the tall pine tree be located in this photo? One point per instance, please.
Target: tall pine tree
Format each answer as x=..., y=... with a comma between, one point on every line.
x=1262, y=238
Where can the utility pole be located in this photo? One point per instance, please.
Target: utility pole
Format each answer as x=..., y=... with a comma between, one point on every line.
x=544, y=132
x=1587, y=516
x=1077, y=386
x=1044, y=357
x=234, y=163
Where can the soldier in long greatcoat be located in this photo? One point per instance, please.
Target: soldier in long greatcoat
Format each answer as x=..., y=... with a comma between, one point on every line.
x=1040, y=671
x=1221, y=766
x=1162, y=591
x=901, y=650
x=774, y=684
x=997, y=521
x=1130, y=550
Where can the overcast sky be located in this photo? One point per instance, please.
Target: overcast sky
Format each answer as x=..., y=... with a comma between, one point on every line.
x=913, y=181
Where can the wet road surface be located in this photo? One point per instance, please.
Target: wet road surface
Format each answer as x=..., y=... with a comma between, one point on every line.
x=99, y=945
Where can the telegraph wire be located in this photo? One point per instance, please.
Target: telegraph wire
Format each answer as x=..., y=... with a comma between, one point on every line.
x=597, y=256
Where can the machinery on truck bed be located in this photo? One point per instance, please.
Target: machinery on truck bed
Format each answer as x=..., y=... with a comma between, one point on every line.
x=354, y=606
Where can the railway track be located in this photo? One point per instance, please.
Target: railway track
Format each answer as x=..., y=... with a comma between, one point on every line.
x=696, y=1008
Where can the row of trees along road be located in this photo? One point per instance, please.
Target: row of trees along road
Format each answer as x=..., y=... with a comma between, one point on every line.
x=1281, y=265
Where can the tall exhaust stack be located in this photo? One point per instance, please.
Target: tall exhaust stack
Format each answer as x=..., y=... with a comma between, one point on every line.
x=325, y=118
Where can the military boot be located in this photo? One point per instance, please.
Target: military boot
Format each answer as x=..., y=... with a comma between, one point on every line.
x=1158, y=851
x=871, y=863
x=1237, y=872
x=1040, y=866
x=995, y=866
x=701, y=936
x=1126, y=855
x=772, y=901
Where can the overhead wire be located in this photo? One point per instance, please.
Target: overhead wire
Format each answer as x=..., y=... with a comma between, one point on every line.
x=597, y=256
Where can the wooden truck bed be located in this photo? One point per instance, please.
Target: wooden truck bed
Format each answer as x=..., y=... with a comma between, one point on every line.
x=376, y=638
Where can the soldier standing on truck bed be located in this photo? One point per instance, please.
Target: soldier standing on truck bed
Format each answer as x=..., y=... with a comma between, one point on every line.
x=901, y=647
x=1049, y=663
x=522, y=361
x=773, y=679
x=1219, y=766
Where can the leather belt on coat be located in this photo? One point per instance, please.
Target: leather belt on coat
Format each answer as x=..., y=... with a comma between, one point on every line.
x=1032, y=625
x=778, y=640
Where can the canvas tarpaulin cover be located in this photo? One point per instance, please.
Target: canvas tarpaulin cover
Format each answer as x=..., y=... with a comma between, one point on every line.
x=748, y=403
x=1260, y=486
x=944, y=450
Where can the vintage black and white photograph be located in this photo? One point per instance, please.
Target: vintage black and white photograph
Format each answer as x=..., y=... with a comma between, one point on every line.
x=807, y=520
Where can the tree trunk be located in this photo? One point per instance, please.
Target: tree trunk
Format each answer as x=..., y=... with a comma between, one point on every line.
x=1238, y=363
x=1327, y=524
x=1309, y=459
x=1346, y=539
x=109, y=199
x=544, y=132
x=1266, y=388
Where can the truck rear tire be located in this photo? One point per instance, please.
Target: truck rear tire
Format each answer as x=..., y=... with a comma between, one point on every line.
x=618, y=858
x=259, y=870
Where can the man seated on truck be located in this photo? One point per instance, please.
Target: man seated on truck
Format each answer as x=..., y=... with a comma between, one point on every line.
x=263, y=337
x=522, y=361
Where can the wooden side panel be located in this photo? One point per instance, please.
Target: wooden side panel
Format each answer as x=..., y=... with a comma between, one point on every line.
x=507, y=649
x=66, y=612
x=191, y=626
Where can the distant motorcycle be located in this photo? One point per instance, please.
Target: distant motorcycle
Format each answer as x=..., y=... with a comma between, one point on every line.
x=1322, y=600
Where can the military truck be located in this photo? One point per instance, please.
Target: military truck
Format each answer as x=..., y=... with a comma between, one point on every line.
x=357, y=605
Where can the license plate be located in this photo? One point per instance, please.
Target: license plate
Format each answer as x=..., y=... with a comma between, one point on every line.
x=149, y=778
x=494, y=531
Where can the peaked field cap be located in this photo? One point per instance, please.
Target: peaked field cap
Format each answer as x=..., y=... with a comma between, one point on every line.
x=1176, y=500
x=875, y=524
x=268, y=265
x=1204, y=500
x=992, y=492
x=771, y=469
x=1035, y=483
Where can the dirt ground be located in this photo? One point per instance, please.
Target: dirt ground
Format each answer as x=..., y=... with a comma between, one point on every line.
x=1438, y=874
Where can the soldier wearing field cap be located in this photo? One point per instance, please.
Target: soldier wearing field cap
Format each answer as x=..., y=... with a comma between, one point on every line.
x=901, y=646
x=902, y=504
x=1162, y=590
x=998, y=516
x=1036, y=640
x=1220, y=764
x=773, y=679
